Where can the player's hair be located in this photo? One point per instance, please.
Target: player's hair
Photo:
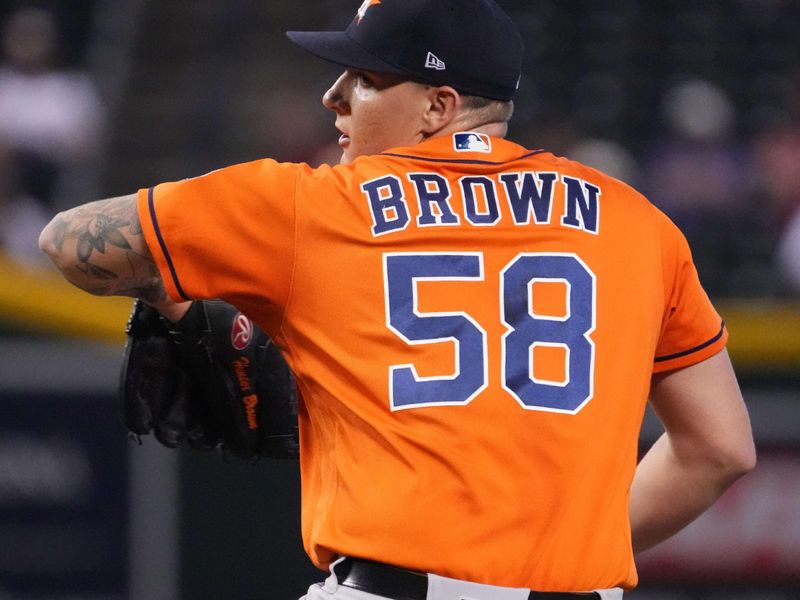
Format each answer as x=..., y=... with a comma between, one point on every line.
x=480, y=110
x=486, y=110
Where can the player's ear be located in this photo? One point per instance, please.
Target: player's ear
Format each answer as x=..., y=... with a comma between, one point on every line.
x=443, y=105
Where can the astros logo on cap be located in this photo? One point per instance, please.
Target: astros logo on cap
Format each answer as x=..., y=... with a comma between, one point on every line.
x=365, y=6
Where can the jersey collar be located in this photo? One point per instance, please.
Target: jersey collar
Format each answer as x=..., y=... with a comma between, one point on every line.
x=463, y=146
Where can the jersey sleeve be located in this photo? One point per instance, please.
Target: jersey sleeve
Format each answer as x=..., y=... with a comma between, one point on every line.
x=692, y=330
x=228, y=234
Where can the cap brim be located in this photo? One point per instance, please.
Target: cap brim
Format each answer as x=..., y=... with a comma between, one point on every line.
x=339, y=48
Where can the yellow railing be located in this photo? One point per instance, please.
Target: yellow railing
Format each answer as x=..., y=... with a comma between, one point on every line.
x=40, y=299
x=763, y=334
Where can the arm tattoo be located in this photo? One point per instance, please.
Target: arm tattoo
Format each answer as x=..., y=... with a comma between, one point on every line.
x=105, y=251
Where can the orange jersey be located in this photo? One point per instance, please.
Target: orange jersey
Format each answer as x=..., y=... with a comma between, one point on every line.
x=473, y=327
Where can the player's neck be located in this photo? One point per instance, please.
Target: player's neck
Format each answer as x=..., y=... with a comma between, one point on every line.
x=495, y=129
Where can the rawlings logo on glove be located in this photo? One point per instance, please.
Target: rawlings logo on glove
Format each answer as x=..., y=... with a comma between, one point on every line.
x=241, y=332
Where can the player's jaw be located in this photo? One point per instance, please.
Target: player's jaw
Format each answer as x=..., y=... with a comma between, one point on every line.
x=375, y=112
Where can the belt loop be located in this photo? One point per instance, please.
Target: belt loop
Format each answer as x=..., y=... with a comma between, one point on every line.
x=332, y=582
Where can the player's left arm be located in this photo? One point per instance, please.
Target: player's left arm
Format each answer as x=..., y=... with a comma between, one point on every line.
x=100, y=248
x=707, y=445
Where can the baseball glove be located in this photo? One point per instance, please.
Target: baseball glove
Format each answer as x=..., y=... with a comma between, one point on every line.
x=214, y=380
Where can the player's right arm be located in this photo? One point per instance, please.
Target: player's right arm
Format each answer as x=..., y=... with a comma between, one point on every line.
x=707, y=445
x=100, y=248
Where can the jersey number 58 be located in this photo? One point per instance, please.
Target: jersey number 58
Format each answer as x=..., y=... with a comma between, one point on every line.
x=525, y=330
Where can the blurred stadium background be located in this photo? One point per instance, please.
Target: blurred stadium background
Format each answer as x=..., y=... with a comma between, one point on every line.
x=695, y=103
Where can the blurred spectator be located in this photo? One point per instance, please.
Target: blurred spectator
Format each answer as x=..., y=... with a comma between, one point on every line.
x=6, y=176
x=703, y=179
x=696, y=168
x=49, y=119
x=21, y=216
x=607, y=156
x=777, y=150
x=788, y=255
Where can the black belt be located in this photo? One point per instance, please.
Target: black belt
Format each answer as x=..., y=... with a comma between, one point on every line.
x=400, y=584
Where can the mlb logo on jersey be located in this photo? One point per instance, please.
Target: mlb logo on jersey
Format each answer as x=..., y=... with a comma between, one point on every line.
x=469, y=141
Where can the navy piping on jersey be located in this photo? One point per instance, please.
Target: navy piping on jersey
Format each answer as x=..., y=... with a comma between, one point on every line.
x=692, y=350
x=458, y=161
x=163, y=245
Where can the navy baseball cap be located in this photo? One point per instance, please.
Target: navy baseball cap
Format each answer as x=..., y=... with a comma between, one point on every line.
x=471, y=45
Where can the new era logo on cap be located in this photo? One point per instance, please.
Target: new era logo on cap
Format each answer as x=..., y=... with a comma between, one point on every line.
x=434, y=62
x=469, y=141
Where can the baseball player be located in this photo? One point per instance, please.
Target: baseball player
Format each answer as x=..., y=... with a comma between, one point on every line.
x=475, y=327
